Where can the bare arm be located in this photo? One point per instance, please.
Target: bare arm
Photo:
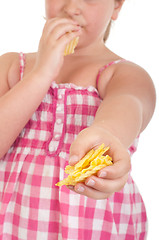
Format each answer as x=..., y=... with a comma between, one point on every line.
x=17, y=104
x=128, y=103
x=127, y=107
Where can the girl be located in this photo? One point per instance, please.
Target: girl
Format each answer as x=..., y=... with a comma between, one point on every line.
x=54, y=109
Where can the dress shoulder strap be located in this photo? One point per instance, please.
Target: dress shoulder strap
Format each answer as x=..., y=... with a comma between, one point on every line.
x=106, y=66
x=22, y=64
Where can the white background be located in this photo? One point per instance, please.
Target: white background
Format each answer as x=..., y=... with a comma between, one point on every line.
x=134, y=36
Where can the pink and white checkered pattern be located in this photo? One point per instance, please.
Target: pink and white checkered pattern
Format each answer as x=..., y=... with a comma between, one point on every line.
x=32, y=207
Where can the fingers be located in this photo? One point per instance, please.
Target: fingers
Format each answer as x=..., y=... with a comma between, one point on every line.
x=52, y=44
x=57, y=33
x=117, y=170
x=82, y=144
x=106, y=185
x=58, y=27
x=109, y=179
x=65, y=39
x=98, y=188
x=53, y=22
x=121, y=158
x=89, y=192
x=121, y=162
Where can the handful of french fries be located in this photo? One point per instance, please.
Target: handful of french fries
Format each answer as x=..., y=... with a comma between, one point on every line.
x=89, y=165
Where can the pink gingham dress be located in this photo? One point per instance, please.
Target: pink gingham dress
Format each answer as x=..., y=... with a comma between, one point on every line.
x=32, y=207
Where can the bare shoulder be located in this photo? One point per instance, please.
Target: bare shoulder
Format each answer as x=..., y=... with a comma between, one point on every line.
x=129, y=68
x=14, y=72
x=29, y=62
x=125, y=76
x=10, y=69
x=8, y=64
x=131, y=80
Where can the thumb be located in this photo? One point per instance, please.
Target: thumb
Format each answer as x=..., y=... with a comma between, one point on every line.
x=83, y=143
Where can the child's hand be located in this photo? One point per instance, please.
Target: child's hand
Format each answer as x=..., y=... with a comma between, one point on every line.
x=110, y=179
x=50, y=53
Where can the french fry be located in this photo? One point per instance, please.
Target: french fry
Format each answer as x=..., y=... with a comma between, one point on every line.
x=89, y=165
x=70, y=47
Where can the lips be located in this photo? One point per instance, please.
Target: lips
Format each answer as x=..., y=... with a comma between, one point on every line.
x=81, y=23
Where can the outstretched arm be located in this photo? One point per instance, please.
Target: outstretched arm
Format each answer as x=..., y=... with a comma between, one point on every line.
x=127, y=107
x=128, y=103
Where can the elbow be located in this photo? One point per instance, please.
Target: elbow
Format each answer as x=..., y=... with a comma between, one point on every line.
x=144, y=109
x=148, y=106
x=3, y=150
x=138, y=112
x=2, y=154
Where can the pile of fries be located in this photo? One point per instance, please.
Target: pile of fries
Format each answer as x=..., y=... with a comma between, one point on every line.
x=89, y=165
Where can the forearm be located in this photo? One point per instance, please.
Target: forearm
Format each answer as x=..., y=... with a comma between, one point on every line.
x=17, y=106
x=122, y=116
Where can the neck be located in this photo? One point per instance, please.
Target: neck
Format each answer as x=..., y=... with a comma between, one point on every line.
x=93, y=49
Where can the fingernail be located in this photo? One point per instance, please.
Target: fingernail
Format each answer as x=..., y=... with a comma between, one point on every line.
x=102, y=174
x=70, y=187
x=80, y=189
x=90, y=183
x=73, y=159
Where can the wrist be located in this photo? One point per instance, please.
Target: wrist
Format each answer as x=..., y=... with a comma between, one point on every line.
x=104, y=126
x=42, y=76
x=36, y=83
x=113, y=134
